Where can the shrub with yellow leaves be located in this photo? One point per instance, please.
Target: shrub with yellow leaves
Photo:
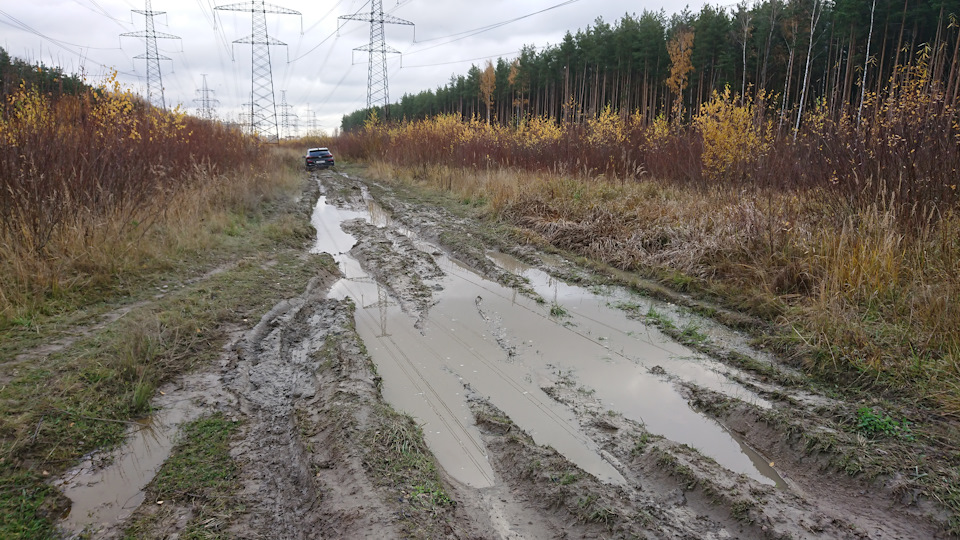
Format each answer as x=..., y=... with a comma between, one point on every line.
x=734, y=134
x=606, y=128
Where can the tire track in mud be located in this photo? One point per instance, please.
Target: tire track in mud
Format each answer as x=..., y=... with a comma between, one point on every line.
x=268, y=377
x=300, y=486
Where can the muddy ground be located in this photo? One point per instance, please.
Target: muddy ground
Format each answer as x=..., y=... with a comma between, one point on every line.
x=447, y=382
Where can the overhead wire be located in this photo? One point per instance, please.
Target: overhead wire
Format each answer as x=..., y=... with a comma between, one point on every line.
x=482, y=29
x=337, y=86
x=17, y=23
x=324, y=40
x=499, y=55
x=296, y=51
x=210, y=18
x=238, y=92
x=319, y=71
x=102, y=12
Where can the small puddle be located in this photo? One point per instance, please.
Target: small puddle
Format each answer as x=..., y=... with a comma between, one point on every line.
x=483, y=338
x=106, y=488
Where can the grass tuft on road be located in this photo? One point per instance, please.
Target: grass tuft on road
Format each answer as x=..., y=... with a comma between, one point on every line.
x=201, y=475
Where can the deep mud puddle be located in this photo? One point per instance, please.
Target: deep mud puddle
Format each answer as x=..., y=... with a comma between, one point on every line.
x=480, y=338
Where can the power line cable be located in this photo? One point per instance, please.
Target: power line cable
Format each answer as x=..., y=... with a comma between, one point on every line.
x=60, y=43
x=336, y=32
x=296, y=50
x=500, y=55
x=18, y=24
x=337, y=87
x=103, y=13
x=482, y=29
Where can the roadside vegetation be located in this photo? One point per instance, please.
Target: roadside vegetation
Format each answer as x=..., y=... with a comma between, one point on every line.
x=835, y=224
x=131, y=240
x=96, y=183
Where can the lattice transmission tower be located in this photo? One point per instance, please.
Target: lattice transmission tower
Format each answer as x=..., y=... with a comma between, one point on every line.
x=378, y=90
x=263, y=106
x=244, y=117
x=152, y=54
x=206, y=102
x=288, y=119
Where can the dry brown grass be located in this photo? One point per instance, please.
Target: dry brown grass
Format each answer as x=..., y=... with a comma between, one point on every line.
x=94, y=253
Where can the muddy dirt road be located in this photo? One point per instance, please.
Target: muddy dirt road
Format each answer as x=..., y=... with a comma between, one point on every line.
x=542, y=407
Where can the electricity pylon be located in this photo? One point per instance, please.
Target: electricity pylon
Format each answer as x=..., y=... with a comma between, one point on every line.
x=152, y=55
x=205, y=102
x=263, y=106
x=288, y=120
x=244, y=118
x=312, y=121
x=378, y=91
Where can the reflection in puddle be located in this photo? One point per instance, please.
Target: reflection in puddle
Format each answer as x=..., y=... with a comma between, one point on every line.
x=326, y=220
x=482, y=338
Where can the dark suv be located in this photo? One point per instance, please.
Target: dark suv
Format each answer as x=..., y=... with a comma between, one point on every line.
x=318, y=158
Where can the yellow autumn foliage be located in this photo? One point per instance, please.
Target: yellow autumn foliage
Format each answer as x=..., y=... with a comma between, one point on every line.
x=733, y=133
x=606, y=128
x=538, y=131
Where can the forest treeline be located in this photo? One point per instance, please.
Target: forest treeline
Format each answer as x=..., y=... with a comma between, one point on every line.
x=47, y=80
x=800, y=53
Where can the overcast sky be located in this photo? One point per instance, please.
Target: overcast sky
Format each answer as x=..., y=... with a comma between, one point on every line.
x=321, y=75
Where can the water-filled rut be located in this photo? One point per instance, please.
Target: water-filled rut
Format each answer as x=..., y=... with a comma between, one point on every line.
x=478, y=338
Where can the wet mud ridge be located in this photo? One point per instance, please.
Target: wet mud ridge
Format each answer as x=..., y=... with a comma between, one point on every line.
x=301, y=473
x=440, y=388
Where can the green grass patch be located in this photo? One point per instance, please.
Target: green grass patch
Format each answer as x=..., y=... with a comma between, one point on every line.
x=400, y=458
x=200, y=468
x=659, y=319
x=199, y=473
x=28, y=505
x=396, y=454
x=691, y=334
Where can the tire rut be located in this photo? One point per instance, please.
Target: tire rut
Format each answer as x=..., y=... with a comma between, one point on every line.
x=300, y=480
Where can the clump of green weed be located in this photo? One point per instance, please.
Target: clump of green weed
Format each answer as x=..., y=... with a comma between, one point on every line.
x=431, y=495
x=399, y=458
x=26, y=504
x=691, y=334
x=655, y=317
x=200, y=473
x=871, y=423
x=640, y=445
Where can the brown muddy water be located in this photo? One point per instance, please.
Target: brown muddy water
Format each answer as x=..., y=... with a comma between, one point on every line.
x=107, y=487
x=481, y=339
